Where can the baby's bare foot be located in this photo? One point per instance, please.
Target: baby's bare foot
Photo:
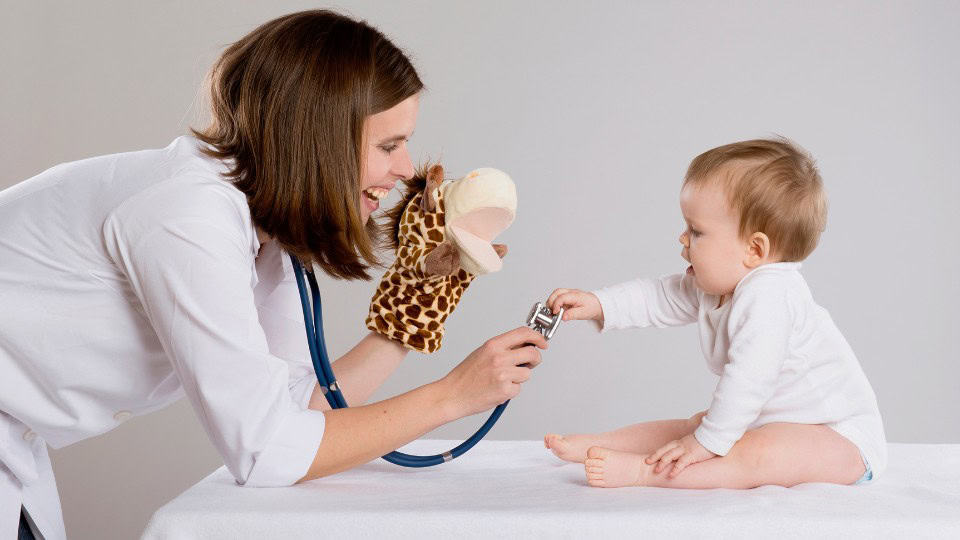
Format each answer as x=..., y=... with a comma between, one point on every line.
x=571, y=448
x=609, y=468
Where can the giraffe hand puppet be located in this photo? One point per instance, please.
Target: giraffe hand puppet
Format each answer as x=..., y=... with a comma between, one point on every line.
x=442, y=232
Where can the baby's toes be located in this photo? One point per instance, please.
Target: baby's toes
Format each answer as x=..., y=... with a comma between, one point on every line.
x=561, y=447
x=593, y=470
x=597, y=452
x=595, y=466
x=595, y=476
x=549, y=440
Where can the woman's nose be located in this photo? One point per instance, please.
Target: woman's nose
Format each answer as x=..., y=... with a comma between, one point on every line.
x=404, y=167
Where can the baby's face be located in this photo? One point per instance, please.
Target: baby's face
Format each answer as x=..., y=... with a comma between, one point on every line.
x=711, y=241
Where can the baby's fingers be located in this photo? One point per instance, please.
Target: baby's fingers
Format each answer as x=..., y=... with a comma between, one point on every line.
x=575, y=313
x=681, y=464
x=567, y=300
x=655, y=457
x=553, y=297
x=668, y=458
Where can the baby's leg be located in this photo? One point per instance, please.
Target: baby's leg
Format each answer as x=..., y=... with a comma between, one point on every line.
x=644, y=438
x=778, y=454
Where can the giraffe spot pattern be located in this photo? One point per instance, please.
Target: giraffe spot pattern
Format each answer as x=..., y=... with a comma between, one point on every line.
x=407, y=306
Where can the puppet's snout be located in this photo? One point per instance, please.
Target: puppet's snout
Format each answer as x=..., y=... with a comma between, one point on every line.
x=478, y=208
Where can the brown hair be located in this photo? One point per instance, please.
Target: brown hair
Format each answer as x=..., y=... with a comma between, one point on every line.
x=288, y=102
x=774, y=186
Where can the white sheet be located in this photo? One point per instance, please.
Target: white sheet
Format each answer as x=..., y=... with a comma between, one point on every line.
x=518, y=489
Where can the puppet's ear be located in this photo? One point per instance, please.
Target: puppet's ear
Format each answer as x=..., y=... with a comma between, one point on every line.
x=501, y=250
x=443, y=260
x=434, y=179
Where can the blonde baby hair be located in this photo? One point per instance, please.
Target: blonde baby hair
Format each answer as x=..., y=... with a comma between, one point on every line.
x=774, y=186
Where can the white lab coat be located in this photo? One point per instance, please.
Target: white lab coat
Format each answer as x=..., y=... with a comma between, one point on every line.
x=126, y=282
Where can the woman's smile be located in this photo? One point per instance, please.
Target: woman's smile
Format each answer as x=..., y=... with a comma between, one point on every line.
x=370, y=198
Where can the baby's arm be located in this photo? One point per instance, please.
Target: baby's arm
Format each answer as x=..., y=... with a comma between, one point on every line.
x=578, y=305
x=668, y=301
x=759, y=330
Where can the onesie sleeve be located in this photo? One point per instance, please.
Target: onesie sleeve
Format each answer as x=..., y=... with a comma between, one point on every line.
x=639, y=303
x=759, y=330
x=190, y=264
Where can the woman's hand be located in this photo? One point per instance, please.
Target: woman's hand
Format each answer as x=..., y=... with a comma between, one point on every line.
x=489, y=376
x=685, y=452
x=494, y=372
x=578, y=305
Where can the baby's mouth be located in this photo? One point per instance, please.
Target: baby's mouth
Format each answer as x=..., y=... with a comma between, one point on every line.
x=690, y=271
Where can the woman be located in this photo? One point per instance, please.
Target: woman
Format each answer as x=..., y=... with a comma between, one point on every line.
x=132, y=279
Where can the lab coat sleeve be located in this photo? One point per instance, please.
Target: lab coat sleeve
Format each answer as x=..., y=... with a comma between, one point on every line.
x=759, y=330
x=640, y=303
x=281, y=317
x=192, y=274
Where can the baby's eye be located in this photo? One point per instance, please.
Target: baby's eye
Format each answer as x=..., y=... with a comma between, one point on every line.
x=695, y=233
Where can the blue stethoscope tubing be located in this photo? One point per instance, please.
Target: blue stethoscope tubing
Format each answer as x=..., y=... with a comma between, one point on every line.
x=313, y=321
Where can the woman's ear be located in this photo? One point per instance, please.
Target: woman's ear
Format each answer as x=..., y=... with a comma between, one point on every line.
x=758, y=250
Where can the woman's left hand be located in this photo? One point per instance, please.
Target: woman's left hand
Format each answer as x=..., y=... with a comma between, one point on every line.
x=685, y=452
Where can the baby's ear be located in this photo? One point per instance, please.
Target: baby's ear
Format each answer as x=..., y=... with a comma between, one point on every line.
x=434, y=179
x=758, y=250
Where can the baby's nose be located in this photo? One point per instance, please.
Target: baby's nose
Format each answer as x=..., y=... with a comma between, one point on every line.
x=683, y=239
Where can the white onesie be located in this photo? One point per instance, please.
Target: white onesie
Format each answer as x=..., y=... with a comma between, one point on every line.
x=779, y=355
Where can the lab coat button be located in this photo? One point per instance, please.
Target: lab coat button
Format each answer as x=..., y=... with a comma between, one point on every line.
x=29, y=436
x=122, y=416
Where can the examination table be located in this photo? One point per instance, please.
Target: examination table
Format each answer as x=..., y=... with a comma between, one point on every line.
x=518, y=489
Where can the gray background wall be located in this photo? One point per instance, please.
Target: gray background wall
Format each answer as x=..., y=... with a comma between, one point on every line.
x=595, y=110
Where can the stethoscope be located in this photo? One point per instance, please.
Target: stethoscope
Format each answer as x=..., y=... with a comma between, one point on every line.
x=540, y=319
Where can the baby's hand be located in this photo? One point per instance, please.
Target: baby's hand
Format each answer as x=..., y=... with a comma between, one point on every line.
x=685, y=451
x=577, y=304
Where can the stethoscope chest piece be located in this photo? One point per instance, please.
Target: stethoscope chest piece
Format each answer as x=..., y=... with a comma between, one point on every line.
x=543, y=321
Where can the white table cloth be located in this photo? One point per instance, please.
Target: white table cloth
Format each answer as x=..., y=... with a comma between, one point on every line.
x=519, y=489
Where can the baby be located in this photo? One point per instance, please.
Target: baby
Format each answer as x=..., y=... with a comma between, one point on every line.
x=792, y=404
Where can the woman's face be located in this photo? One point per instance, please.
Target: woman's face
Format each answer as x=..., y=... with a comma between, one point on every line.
x=385, y=156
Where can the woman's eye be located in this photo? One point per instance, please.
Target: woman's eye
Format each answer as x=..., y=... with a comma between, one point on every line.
x=389, y=148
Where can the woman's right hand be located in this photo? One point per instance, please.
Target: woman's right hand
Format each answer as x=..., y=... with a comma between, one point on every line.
x=489, y=376
x=577, y=304
x=494, y=372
